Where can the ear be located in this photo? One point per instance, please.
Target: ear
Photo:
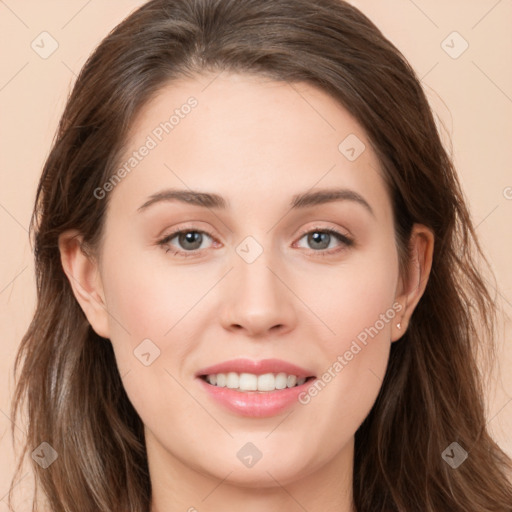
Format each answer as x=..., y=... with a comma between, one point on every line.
x=82, y=270
x=412, y=285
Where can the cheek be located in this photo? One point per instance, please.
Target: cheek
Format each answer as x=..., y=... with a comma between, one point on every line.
x=150, y=308
x=356, y=300
x=151, y=319
x=358, y=309
x=147, y=300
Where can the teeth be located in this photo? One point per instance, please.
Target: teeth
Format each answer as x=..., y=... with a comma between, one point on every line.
x=232, y=380
x=251, y=382
x=291, y=380
x=247, y=382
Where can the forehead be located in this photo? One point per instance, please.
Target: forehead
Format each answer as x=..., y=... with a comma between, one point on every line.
x=250, y=139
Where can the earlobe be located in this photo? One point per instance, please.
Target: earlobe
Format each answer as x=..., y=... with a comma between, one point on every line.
x=84, y=278
x=412, y=286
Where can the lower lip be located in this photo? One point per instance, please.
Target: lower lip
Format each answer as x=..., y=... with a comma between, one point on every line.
x=255, y=404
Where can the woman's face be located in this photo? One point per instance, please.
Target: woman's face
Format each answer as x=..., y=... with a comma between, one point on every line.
x=254, y=276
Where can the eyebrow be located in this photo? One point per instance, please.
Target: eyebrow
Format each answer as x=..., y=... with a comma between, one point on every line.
x=211, y=200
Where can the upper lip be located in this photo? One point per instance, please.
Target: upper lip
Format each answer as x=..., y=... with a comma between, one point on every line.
x=256, y=367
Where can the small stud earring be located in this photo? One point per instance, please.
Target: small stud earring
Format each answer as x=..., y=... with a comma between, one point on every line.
x=398, y=325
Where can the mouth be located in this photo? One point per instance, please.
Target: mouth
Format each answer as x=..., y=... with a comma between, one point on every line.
x=254, y=383
x=264, y=394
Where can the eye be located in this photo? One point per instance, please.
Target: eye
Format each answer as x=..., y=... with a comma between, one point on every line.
x=190, y=241
x=320, y=239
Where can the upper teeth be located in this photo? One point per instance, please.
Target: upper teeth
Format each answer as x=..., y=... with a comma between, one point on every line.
x=252, y=382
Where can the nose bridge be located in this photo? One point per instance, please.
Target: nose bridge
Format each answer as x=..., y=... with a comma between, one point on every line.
x=258, y=301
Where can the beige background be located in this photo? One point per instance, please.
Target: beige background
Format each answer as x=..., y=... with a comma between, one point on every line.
x=471, y=94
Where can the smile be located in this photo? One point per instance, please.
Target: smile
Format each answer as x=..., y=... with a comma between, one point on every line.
x=245, y=382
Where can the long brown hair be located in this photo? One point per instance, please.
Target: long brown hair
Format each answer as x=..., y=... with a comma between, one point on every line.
x=432, y=394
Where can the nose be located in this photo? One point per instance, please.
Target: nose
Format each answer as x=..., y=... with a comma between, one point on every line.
x=258, y=299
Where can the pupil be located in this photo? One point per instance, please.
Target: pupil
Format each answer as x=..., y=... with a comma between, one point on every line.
x=317, y=238
x=191, y=237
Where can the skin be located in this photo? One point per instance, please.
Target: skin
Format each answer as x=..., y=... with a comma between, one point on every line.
x=257, y=142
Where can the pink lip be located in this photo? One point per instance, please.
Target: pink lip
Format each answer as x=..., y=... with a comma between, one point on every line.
x=255, y=404
x=256, y=367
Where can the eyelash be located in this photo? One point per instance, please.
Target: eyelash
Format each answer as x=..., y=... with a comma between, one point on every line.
x=347, y=241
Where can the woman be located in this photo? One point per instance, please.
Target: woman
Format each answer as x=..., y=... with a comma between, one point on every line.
x=252, y=369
